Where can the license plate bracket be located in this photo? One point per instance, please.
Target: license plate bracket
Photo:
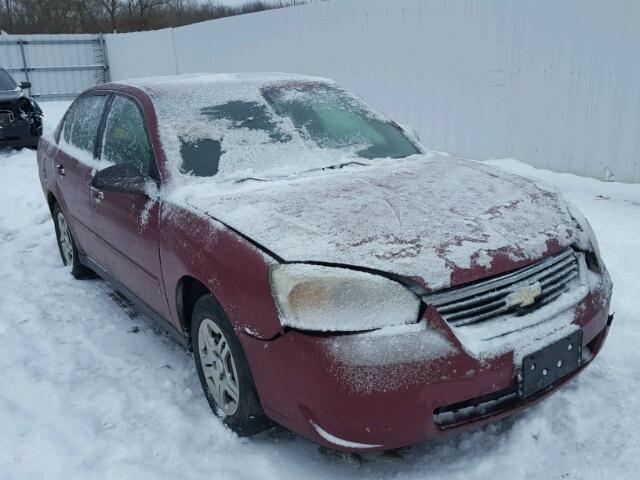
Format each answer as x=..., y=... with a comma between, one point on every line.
x=549, y=364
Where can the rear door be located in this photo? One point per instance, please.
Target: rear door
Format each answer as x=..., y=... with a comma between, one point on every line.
x=127, y=224
x=74, y=164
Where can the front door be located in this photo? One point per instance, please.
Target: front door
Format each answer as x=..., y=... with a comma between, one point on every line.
x=127, y=224
x=75, y=163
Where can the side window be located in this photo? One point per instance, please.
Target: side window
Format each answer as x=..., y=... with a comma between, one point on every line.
x=125, y=136
x=82, y=122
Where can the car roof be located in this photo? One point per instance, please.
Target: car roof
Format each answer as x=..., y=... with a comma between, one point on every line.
x=250, y=81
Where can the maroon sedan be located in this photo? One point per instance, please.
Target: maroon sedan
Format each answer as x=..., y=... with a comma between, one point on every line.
x=330, y=274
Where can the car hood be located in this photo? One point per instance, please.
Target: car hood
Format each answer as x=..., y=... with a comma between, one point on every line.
x=9, y=95
x=437, y=219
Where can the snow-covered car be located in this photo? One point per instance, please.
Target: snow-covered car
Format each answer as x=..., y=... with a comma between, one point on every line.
x=20, y=115
x=330, y=274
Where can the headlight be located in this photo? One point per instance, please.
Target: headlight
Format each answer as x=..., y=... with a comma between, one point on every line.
x=587, y=240
x=318, y=298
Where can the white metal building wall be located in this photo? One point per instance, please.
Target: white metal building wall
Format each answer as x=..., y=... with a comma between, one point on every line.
x=556, y=84
x=58, y=66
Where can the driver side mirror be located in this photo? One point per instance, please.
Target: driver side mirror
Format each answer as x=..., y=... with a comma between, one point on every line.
x=123, y=178
x=25, y=85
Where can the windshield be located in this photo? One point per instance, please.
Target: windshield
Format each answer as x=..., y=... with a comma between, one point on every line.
x=263, y=131
x=335, y=119
x=6, y=81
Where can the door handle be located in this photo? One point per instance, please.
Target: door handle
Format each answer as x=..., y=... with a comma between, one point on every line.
x=97, y=195
x=60, y=169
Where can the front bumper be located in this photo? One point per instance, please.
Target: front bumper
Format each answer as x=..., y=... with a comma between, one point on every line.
x=340, y=400
x=20, y=134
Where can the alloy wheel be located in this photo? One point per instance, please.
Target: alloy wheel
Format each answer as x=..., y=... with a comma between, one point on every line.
x=218, y=366
x=66, y=244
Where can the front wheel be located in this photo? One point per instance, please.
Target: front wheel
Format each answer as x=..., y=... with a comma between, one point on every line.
x=67, y=245
x=223, y=370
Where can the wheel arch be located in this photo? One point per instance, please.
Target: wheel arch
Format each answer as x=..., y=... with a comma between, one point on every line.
x=51, y=201
x=188, y=290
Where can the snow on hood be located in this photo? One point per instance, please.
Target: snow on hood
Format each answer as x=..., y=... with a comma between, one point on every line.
x=422, y=217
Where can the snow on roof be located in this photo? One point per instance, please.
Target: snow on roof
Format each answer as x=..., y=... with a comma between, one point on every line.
x=249, y=81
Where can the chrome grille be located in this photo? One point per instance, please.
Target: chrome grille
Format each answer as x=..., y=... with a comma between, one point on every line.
x=517, y=292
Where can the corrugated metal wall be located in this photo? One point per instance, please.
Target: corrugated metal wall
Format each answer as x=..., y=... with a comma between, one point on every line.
x=58, y=66
x=556, y=84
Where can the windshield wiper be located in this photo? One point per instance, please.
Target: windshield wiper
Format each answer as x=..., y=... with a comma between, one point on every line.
x=338, y=166
x=255, y=179
x=318, y=169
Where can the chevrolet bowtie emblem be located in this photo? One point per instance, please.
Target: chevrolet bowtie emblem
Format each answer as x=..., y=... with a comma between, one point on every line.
x=524, y=296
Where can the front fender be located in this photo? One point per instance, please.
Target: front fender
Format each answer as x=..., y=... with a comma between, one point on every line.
x=235, y=271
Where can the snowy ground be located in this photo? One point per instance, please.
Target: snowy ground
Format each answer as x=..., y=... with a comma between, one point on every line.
x=87, y=392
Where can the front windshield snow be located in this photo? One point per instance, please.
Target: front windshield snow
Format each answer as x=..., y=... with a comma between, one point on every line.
x=332, y=118
x=279, y=130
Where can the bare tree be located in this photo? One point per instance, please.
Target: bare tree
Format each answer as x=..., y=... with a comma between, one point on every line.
x=8, y=13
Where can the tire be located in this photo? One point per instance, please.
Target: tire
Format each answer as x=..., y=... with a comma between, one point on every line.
x=223, y=371
x=67, y=245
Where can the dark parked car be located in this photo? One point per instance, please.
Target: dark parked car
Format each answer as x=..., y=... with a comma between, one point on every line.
x=330, y=274
x=20, y=115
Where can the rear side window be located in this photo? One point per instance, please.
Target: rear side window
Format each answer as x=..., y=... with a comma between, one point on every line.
x=82, y=121
x=125, y=136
